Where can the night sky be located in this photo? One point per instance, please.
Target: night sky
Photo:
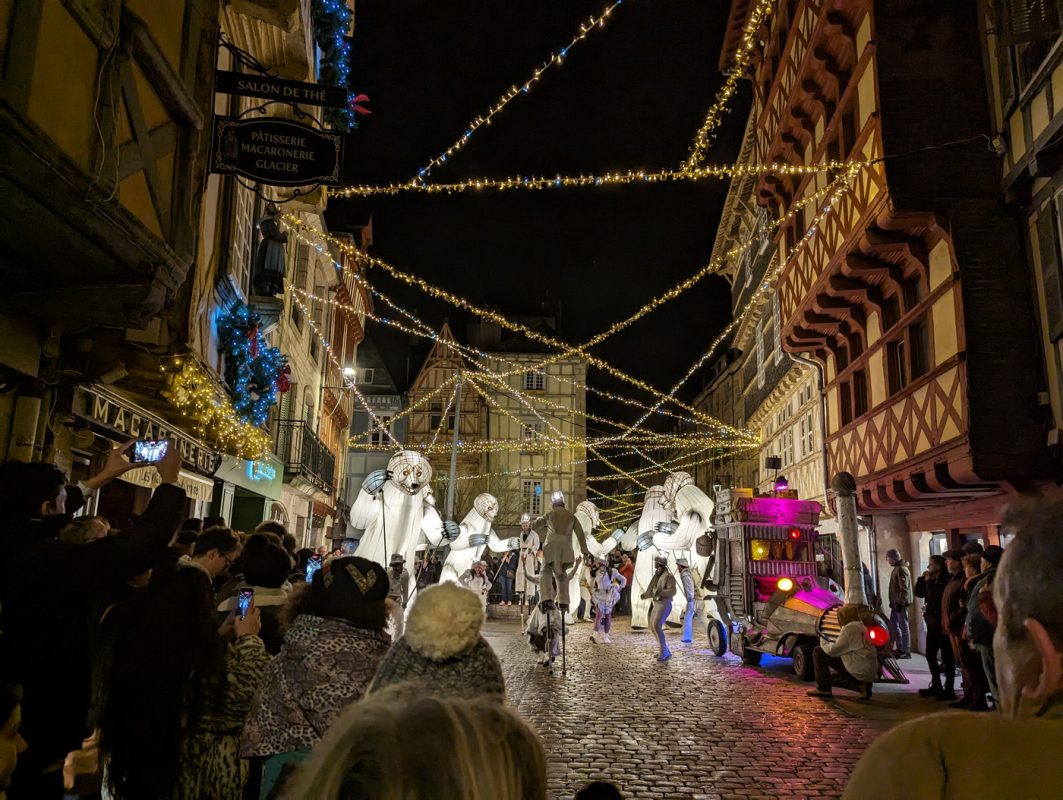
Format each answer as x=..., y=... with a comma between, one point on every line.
x=630, y=96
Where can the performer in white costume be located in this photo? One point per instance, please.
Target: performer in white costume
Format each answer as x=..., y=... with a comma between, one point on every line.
x=394, y=511
x=692, y=510
x=588, y=519
x=475, y=534
x=529, y=547
x=653, y=511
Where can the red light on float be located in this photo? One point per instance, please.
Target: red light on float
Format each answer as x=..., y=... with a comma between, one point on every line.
x=878, y=635
x=785, y=584
x=794, y=533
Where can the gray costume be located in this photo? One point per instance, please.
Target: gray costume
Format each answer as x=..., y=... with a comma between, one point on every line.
x=558, y=556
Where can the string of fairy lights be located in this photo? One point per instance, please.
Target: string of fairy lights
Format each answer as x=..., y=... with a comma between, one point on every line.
x=621, y=178
x=706, y=134
x=556, y=59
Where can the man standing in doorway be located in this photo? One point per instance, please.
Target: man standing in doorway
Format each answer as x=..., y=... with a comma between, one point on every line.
x=901, y=597
x=660, y=592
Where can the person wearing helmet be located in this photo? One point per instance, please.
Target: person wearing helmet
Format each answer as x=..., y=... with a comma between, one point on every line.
x=559, y=525
x=529, y=547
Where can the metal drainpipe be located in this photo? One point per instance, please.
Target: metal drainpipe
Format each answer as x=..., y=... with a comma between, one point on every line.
x=821, y=383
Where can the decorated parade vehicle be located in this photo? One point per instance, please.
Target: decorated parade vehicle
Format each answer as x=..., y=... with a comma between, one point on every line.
x=772, y=593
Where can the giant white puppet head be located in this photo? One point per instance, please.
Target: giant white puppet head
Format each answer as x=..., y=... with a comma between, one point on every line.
x=590, y=511
x=672, y=484
x=410, y=471
x=486, y=506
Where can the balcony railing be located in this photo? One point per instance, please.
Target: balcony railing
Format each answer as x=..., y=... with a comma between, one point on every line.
x=304, y=455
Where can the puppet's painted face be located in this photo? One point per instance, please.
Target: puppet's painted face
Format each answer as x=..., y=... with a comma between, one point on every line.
x=410, y=471
x=486, y=506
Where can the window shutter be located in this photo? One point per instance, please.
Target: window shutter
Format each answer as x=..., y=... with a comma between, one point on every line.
x=1048, y=245
x=319, y=307
x=1021, y=21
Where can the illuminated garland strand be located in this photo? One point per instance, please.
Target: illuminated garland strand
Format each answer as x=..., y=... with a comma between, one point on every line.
x=707, y=132
x=348, y=383
x=555, y=60
x=443, y=418
x=838, y=190
x=538, y=182
x=434, y=291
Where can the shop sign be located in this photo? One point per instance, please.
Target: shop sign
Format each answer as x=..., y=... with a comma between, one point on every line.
x=117, y=415
x=279, y=89
x=195, y=487
x=264, y=477
x=276, y=152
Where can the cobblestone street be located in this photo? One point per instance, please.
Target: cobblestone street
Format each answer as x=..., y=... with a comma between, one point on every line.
x=696, y=726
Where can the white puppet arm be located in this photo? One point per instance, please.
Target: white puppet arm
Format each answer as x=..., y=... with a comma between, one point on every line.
x=431, y=525
x=681, y=537
x=497, y=545
x=364, y=510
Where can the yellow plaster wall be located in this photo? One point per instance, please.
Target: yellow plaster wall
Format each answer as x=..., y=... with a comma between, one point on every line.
x=165, y=19
x=876, y=365
x=874, y=328
x=832, y=410
x=940, y=264
x=1018, y=138
x=1039, y=116
x=63, y=85
x=946, y=336
x=1052, y=351
x=866, y=92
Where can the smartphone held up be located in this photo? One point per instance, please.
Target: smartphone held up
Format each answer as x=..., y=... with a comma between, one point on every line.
x=313, y=564
x=149, y=451
x=243, y=601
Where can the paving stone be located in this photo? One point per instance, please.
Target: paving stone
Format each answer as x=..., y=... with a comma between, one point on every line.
x=693, y=728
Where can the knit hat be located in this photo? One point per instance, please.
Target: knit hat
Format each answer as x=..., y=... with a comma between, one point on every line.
x=442, y=650
x=992, y=554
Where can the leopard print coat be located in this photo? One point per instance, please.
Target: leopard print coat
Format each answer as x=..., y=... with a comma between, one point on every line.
x=324, y=666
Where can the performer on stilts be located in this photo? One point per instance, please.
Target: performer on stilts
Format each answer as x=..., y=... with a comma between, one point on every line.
x=545, y=628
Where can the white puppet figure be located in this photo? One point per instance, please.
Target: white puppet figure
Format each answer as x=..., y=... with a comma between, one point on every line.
x=587, y=516
x=393, y=510
x=474, y=533
x=653, y=511
x=691, y=510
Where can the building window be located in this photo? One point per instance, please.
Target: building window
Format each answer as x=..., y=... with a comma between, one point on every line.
x=377, y=435
x=859, y=393
x=908, y=358
x=776, y=327
x=787, y=446
x=808, y=434
x=1027, y=31
x=532, y=492
x=760, y=359
x=241, y=254
x=299, y=280
x=895, y=371
x=534, y=381
x=531, y=430
x=845, y=400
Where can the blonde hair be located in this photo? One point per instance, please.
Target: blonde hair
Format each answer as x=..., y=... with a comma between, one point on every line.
x=397, y=744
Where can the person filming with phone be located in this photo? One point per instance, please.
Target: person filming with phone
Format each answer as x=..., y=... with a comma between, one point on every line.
x=45, y=643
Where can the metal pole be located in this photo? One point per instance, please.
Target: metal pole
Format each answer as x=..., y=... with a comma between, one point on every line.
x=844, y=484
x=452, y=483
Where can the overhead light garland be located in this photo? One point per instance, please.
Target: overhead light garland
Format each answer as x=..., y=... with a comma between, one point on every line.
x=624, y=178
x=297, y=225
x=707, y=132
x=555, y=60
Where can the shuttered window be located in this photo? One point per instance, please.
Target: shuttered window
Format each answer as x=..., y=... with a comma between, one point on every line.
x=1028, y=20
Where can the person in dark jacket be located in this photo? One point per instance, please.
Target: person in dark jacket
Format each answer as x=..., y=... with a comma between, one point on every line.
x=978, y=628
x=46, y=587
x=900, y=597
x=931, y=587
x=266, y=571
x=974, y=698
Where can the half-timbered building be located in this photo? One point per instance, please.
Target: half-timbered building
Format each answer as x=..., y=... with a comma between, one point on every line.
x=910, y=292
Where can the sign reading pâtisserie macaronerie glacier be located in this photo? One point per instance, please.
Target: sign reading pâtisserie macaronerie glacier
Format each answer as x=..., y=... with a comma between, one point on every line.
x=276, y=152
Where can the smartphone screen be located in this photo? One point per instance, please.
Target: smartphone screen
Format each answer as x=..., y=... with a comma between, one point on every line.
x=149, y=451
x=313, y=564
x=243, y=602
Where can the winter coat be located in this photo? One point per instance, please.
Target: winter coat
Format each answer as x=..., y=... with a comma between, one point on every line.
x=977, y=627
x=604, y=594
x=952, y=611
x=270, y=603
x=324, y=666
x=559, y=525
x=932, y=591
x=946, y=755
x=46, y=591
x=900, y=593
x=856, y=651
x=661, y=588
x=210, y=764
